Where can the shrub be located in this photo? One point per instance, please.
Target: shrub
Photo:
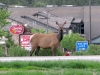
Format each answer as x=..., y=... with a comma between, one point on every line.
x=81, y=53
x=45, y=52
x=34, y=30
x=48, y=52
x=9, y=42
x=93, y=50
x=2, y=51
x=69, y=41
x=16, y=50
x=42, y=30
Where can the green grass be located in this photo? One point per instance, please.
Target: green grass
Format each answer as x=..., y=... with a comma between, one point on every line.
x=50, y=72
x=76, y=64
x=70, y=67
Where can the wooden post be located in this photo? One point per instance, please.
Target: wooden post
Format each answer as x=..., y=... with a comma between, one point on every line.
x=6, y=51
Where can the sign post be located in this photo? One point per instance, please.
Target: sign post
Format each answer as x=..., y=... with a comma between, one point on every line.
x=3, y=43
x=81, y=45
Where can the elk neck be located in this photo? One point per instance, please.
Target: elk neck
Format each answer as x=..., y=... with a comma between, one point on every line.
x=60, y=35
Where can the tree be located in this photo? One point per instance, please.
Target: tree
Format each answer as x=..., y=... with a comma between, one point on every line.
x=50, y=2
x=39, y=4
x=69, y=41
x=4, y=14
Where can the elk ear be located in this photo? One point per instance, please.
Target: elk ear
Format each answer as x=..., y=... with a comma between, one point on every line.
x=65, y=22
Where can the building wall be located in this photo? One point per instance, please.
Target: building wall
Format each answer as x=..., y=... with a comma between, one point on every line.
x=86, y=22
x=76, y=12
x=95, y=21
x=83, y=13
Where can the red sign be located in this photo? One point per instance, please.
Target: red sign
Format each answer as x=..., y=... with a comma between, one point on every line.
x=17, y=29
x=25, y=41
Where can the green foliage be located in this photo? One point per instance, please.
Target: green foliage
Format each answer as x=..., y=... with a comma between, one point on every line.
x=43, y=3
x=69, y=41
x=2, y=51
x=42, y=30
x=34, y=30
x=45, y=52
x=4, y=14
x=38, y=31
x=93, y=50
x=9, y=42
x=3, y=33
x=39, y=4
x=16, y=50
x=48, y=52
x=69, y=67
x=81, y=53
x=13, y=49
x=74, y=64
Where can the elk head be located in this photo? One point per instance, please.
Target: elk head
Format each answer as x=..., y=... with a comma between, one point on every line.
x=60, y=33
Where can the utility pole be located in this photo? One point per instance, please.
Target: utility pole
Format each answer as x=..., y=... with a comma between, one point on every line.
x=90, y=19
x=48, y=17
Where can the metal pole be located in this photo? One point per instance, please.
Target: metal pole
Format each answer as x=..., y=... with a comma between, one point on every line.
x=47, y=20
x=90, y=18
x=48, y=17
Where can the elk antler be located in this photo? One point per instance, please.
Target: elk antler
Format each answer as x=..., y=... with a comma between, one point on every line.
x=57, y=23
x=60, y=25
x=64, y=23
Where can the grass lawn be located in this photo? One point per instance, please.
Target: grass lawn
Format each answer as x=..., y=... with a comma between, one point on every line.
x=70, y=67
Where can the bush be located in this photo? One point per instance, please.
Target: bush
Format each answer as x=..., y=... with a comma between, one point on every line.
x=2, y=51
x=16, y=50
x=42, y=30
x=48, y=52
x=81, y=53
x=93, y=50
x=69, y=41
x=9, y=42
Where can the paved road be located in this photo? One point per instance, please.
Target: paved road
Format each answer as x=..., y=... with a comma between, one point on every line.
x=43, y=58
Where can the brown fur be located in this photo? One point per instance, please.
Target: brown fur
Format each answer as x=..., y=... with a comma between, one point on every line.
x=45, y=42
x=51, y=40
x=26, y=30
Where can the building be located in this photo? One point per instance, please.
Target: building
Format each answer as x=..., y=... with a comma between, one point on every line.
x=77, y=18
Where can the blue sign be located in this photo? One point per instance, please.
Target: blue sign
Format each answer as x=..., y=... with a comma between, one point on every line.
x=81, y=45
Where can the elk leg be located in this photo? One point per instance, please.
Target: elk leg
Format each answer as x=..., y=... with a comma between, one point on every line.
x=37, y=51
x=31, y=52
x=54, y=51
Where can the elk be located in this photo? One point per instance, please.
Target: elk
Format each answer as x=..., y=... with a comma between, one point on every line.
x=51, y=40
x=27, y=30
